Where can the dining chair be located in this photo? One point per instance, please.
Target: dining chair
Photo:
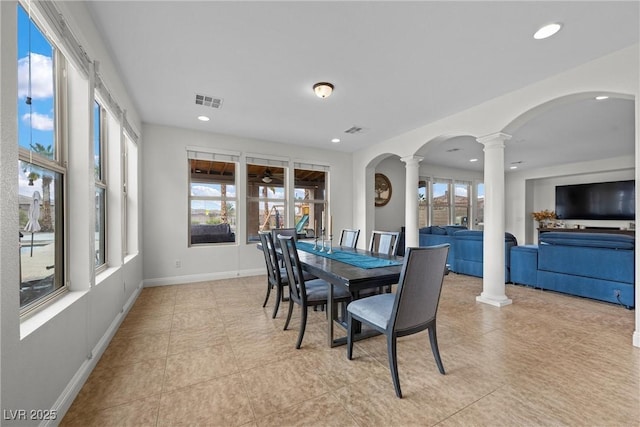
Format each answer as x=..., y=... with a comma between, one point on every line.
x=285, y=232
x=305, y=293
x=411, y=309
x=384, y=242
x=274, y=271
x=349, y=238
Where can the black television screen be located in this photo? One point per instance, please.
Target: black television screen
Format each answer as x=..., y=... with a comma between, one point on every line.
x=602, y=200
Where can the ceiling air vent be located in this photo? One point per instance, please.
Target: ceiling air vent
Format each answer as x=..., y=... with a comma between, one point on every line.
x=354, y=129
x=208, y=101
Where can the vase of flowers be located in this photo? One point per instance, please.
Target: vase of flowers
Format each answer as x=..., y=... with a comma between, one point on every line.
x=545, y=218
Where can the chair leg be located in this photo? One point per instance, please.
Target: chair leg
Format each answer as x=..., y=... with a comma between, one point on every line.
x=434, y=347
x=286, y=324
x=393, y=362
x=266, y=298
x=303, y=325
x=278, y=298
x=349, y=336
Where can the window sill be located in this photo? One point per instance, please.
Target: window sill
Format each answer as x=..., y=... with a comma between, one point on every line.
x=40, y=318
x=105, y=274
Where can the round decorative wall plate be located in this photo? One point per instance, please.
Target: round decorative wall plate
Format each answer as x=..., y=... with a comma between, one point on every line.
x=383, y=190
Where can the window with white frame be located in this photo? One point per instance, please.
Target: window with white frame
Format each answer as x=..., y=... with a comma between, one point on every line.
x=266, y=196
x=462, y=203
x=213, y=198
x=423, y=203
x=130, y=195
x=41, y=168
x=479, y=207
x=440, y=202
x=99, y=138
x=310, y=197
x=444, y=201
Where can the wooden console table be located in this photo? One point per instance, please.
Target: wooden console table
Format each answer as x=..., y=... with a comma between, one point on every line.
x=588, y=230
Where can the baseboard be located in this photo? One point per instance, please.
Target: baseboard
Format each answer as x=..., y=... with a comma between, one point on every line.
x=70, y=392
x=192, y=278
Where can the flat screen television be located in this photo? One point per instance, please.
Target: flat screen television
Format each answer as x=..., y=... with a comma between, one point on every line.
x=601, y=200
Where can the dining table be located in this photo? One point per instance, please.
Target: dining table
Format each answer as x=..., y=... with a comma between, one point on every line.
x=352, y=269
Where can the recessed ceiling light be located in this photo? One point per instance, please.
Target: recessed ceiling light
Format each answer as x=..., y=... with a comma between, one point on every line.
x=203, y=118
x=335, y=140
x=473, y=160
x=601, y=97
x=547, y=31
x=513, y=167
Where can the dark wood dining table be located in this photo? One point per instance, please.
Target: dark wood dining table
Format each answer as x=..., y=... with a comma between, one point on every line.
x=350, y=277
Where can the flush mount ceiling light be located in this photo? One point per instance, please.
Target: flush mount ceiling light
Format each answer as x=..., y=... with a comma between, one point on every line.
x=547, y=31
x=335, y=140
x=323, y=89
x=473, y=160
x=601, y=97
x=203, y=118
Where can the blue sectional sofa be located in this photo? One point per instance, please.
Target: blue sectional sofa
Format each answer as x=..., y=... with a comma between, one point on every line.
x=593, y=265
x=437, y=235
x=470, y=256
x=466, y=250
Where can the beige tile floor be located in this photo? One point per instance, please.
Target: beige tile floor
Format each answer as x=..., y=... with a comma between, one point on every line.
x=209, y=354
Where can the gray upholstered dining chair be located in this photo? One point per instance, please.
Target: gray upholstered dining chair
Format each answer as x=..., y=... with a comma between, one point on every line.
x=349, y=238
x=304, y=292
x=411, y=309
x=384, y=242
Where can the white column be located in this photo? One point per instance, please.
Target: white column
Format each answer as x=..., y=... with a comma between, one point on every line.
x=412, y=164
x=493, y=288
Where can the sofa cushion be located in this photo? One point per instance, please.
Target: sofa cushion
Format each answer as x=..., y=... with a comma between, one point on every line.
x=438, y=230
x=450, y=229
x=425, y=230
x=596, y=240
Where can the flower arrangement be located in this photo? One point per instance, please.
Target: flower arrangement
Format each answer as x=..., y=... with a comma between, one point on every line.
x=543, y=215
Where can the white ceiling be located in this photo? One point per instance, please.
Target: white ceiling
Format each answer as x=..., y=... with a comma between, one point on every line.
x=395, y=65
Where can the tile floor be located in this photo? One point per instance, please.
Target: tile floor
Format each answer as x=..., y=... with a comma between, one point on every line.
x=209, y=354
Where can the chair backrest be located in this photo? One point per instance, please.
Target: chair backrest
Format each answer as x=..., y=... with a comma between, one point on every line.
x=419, y=288
x=384, y=242
x=270, y=257
x=285, y=232
x=349, y=238
x=297, y=289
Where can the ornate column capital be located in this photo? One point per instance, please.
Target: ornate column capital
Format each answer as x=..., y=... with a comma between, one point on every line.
x=494, y=140
x=412, y=160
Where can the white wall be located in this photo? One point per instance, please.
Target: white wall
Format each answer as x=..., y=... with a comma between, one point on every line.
x=166, y=211
x=390, y=217
x=46, y=357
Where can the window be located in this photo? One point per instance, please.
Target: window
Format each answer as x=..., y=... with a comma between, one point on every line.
x=441, y=203
x=101, y=186
x=41, y=173
x=130, y=196
x=212, y=201
x=462, y=207
x=479, y=211
x=423, y=203
x=266, y=201
x=309, y=198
